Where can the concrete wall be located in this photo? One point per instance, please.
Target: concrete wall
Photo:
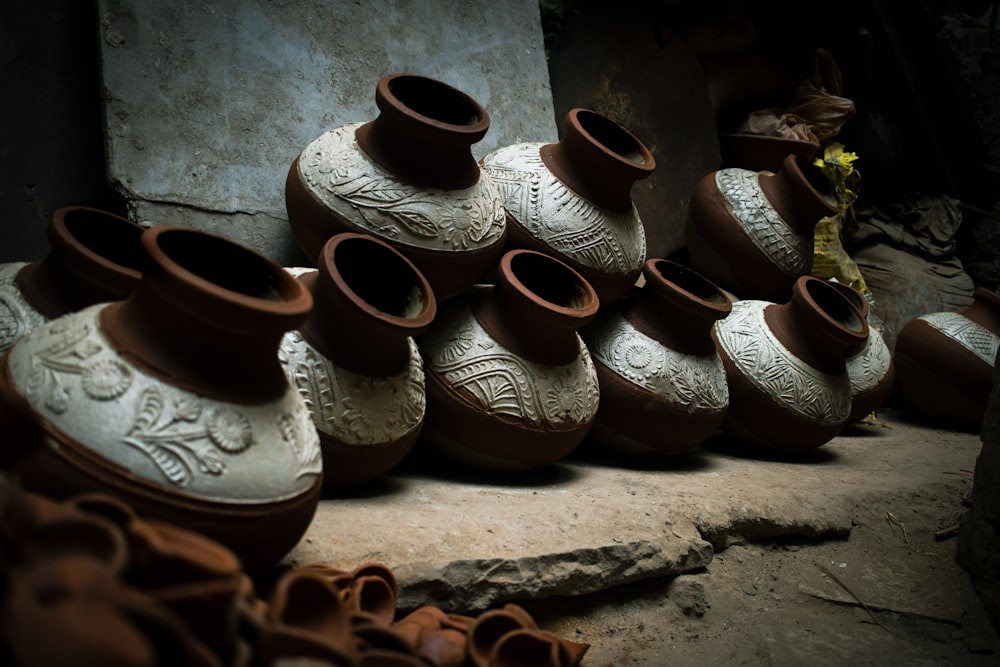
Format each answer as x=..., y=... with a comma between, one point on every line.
x=207, y=104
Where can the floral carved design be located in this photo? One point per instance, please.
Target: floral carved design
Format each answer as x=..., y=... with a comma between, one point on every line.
x=500, y=383
x=789, y=382
x=74, y=352
x=697, y=383
x=971, y=335
x=336, y=170
x=598, y=238
x=210, y=448
x=355, y=409
x=179, y=436
x=17, y=317
x=789, y=251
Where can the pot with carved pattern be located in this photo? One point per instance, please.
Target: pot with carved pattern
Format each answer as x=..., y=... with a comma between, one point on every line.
x=752, y=232
x=94, y=257
x=663, y=386
x=510, y=382
x=174, y=399
x=355, y=360
x=407, y=177
x=572, y=199
x=945, y=360
x=786, y=368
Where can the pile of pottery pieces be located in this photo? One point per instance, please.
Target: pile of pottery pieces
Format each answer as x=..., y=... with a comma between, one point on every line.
x=87, y=581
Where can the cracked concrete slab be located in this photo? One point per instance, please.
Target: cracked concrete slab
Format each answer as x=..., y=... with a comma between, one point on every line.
x=592, y=522
x=207, y=104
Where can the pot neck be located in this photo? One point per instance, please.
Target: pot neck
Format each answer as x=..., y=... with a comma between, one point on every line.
x=424, y=132
x=985, y=309
x=818, y=324
x=208, y=316
x=800, y=193
x=368, y=301
x=677, y=307
x=95, y=257
x=598, y=160
x=536, y=307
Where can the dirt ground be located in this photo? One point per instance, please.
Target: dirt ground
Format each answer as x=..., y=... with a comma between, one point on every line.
x=891, y=593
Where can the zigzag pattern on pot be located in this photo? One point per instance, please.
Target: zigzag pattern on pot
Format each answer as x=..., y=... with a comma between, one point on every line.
x=789, y=251
x=971, y=335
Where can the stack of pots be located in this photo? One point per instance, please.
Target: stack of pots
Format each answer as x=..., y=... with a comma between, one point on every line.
x=521, y=250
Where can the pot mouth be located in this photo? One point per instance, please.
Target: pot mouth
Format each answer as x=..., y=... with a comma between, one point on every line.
x=216, y=267
x=100, y=237
x=833, y=305
x=551, y=281
x=690, y=282
x=380, y=278
x=434, y=101
x=613, y=137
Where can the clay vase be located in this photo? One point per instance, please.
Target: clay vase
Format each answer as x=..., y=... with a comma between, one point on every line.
x=174, y=398
x=510, y=383
x=355, y=360
x=752, y=233
x=870, y=365
x=572, y=199
x=944, y=361
x=407, y=177
x=786, y=366
x=663, y=387
x=94, y=257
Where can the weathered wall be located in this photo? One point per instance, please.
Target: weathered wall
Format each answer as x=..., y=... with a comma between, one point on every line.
x=209, y=103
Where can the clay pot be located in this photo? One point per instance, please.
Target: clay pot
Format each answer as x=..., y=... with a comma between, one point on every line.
x=94, y=257
x=762, y=152
x=572, y=199
x=355, y=361
x=944, y=361
x=752, y=232
x=408, y=177
x=510, y=383
x=663, y=387
x=870, y=365
x=785, y=366
x=174, y=398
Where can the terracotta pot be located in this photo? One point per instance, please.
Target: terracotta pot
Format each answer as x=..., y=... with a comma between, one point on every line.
x=510, y=383
x=355, y=360
x=94, y=257
x=663, y=387
x=572, y=199
x=752, y=232
x=408, y=177
x=785, y=366
x=869, y=366
x=174, y=398
x=761, y=152
x=944, y=361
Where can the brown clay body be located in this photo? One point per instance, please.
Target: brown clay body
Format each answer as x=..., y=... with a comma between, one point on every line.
x=94, y=257
x=785, y=366
x=752, y=232
x=174, y=399
x=944, y=361
x=355, y=360
x=408, y=177
x=663, y=386
x=510, y=383
x=572, y=199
